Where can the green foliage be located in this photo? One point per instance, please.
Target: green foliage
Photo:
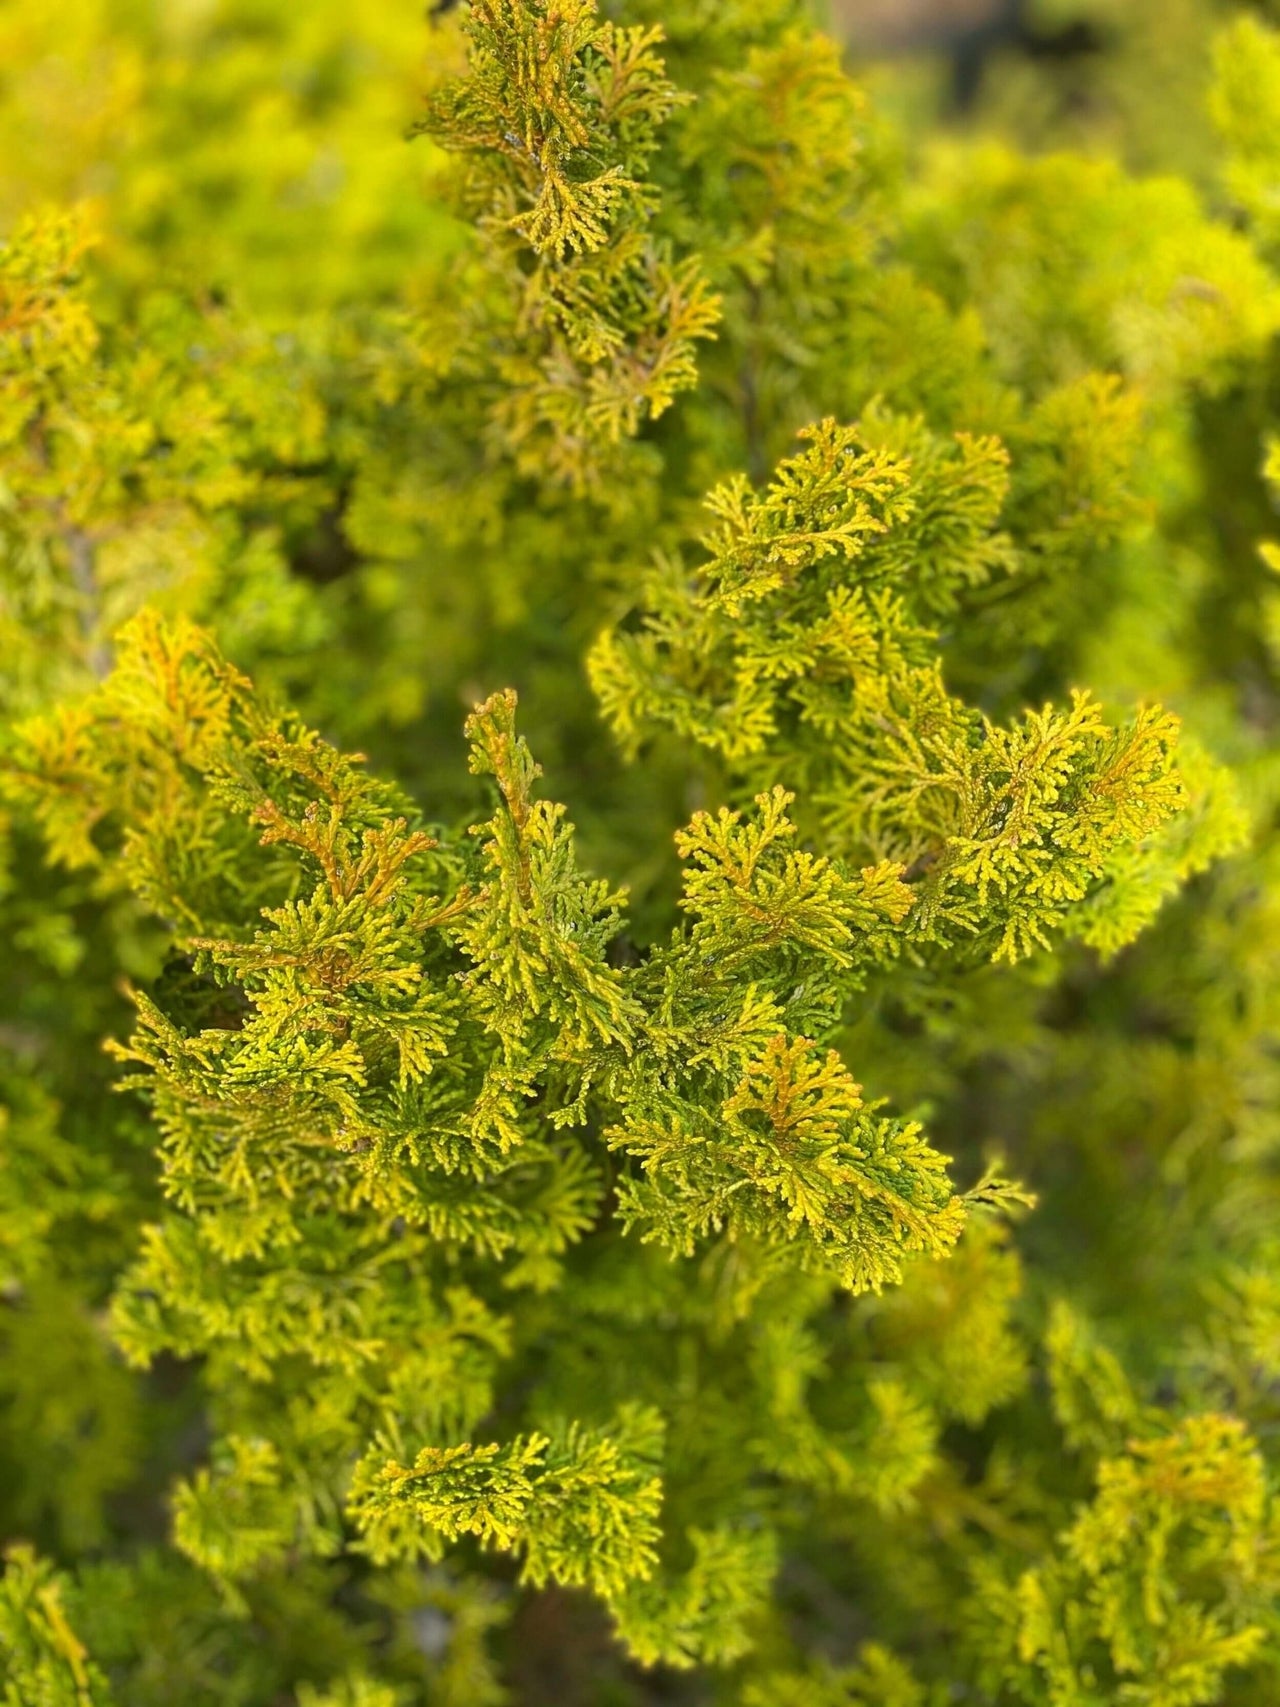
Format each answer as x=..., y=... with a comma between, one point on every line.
x=132, y=472
x=791, y=1154
x=43, y=1658
x=581, y=1509
x=498, y=1261
x=1162, y=1583
x=798, y=649
x=1245, y=102
x=879, y=1680
x=558, y=117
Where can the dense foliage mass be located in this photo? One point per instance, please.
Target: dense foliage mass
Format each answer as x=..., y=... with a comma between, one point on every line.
x=793, y=1225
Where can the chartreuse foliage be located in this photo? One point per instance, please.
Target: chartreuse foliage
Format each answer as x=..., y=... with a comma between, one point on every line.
x=359, y=1082
x=137, y=468
x=474, y=1271
x=558, y=117
x=801, y=649
x=1165, y=1581
x=44, y=1658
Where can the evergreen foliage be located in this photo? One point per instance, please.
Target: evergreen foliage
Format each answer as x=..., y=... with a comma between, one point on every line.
x=806, y=1235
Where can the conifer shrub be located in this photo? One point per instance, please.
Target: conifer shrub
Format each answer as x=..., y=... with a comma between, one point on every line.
x=639, y=1041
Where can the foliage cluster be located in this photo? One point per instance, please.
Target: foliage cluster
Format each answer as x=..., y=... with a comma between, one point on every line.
x=806, y=1234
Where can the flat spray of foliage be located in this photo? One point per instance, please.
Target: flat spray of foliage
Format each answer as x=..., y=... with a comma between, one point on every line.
x=804, y=1237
